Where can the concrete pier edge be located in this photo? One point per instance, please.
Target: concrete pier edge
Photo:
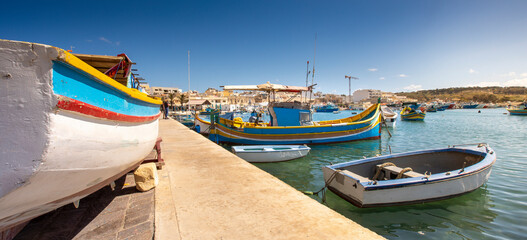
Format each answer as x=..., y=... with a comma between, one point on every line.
x=206, y=192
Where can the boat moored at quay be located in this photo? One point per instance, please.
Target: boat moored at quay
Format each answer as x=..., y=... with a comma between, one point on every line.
x=291, y=123
x=70, y=124
x=412, y=177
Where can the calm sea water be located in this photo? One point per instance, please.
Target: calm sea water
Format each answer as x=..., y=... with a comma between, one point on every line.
x=497, y=210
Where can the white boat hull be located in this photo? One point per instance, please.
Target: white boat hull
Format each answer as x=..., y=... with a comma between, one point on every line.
x=343, y=180
x=56, y=146
x=391, y=121
x=410, y=194
x=204, y=127
x=82, y=154
x=389, y=116
x=267, y=154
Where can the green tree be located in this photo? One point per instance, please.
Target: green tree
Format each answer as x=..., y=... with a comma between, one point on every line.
x=182, y=99
x=171, y=96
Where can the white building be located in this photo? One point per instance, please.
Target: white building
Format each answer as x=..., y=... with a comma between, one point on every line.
x=364, y=94
x=162, y=91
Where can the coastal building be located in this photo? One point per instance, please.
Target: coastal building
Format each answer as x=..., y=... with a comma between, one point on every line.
x=163, y=91
x=198, y=104
x=366, y=94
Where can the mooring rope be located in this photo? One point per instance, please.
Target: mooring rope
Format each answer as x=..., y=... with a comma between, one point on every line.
x=378, y=172
x=326, y=184
x=407, y=169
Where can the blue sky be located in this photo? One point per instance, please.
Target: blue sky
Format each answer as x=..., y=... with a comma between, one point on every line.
x=390, y=45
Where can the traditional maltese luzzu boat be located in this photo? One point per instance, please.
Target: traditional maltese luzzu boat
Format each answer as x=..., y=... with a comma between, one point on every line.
x=291, y=123
x=518, y=110
x=412, y=113
x=70, y=124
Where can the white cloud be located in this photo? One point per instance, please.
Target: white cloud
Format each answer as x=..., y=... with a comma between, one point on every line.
x=485, y=84
x=521, y=82
x=373, y=69
x=413, y=87
x=403, y=75
x=117, y=43
x=381, y=78
x=472, y=71
x=105, y=40
x=523, y=74
x=516, y=82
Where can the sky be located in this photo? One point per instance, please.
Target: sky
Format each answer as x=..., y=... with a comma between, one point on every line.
x=390, y=45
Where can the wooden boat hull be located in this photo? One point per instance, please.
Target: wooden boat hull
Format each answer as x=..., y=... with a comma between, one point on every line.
x=389, y=116
x=517, y=111
x=326, y=109
x=413, y=116
x=74, y=130
x=329, y=132
x=391, y=121
x=369, y=193
x=270, y=153
x=204, y=126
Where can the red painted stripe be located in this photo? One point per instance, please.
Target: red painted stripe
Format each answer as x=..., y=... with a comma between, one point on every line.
x=73, y=105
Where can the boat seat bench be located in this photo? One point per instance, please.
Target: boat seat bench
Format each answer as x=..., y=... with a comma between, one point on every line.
x=396, y=170
x=354, y=175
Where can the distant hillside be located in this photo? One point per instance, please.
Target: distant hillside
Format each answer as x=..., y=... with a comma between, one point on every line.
x=471, y=94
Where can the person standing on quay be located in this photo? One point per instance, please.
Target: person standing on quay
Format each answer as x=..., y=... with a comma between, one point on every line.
x=165, y=109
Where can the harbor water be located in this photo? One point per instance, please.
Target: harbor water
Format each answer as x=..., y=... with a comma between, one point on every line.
x=497, y=210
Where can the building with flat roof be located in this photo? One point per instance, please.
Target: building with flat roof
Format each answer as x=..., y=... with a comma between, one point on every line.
x=365, y=94
x=163, y=91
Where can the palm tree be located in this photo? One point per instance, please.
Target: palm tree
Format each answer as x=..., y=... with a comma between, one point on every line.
x=171, y=96
x=182, y=99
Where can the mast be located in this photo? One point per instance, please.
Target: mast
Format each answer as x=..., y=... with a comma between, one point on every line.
x=313, y=76
x=307, y=79
x=307, y=74
x=188, y=54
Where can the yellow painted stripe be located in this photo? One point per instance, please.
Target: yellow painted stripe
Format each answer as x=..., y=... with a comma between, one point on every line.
x=375, y=107
x=81, y=65
x=371, y=125
x=290, y=137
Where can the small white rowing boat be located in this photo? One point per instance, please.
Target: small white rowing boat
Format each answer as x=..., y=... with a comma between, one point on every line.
x=270, y=153
x=389, y=116
x=413, y=177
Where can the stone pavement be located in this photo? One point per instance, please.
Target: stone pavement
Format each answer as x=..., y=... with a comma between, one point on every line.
x=124, y=213
x=210, y=193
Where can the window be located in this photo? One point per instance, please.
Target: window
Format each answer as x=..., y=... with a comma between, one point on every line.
x=305, y=118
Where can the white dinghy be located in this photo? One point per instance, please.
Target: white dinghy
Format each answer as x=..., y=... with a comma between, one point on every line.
x=389, y=116
x=412, y=177
x=270, y=153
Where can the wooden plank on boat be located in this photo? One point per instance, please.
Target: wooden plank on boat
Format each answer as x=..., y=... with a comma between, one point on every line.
x=98, y=58
x=397, y=170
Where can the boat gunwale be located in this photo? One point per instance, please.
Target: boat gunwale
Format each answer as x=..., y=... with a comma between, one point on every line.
x=323, y=125
x=482, y=165
x=236, y=149
x=79, y=65
x=358, y=130
x=377, y=112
